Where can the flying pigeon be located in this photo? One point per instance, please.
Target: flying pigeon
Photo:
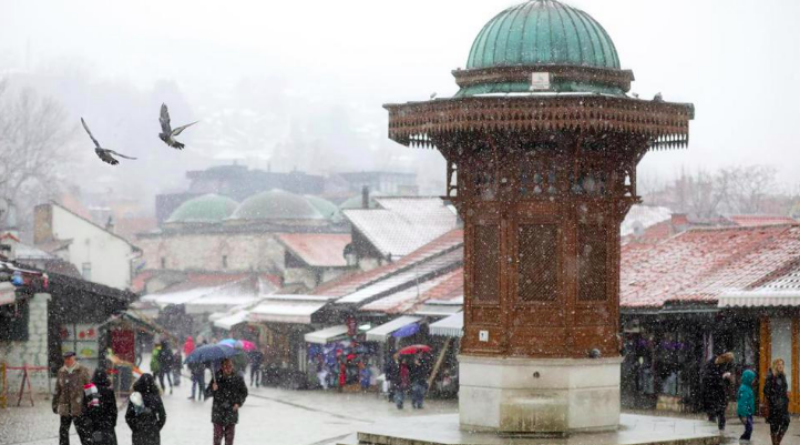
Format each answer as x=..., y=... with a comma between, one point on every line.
x=658, y=98
x=104, y=154
x=167, y=133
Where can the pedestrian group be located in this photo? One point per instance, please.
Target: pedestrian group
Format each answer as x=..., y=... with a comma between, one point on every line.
x=717, y=377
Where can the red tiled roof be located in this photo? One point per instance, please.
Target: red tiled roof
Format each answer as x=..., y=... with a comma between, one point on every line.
x=317, y=249
x=761, y=220
x=348, y=284
x=451, y=287
x=700, y=264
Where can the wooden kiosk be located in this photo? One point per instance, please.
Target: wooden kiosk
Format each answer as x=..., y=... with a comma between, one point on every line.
x=542, y=144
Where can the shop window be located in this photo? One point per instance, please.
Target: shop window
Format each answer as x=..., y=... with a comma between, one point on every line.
x=537, y=278
x=14, y=322
x=486, y=263
x=781, y=335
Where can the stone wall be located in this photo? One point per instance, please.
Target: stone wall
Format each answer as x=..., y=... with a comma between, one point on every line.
x=244, y=252
x=32, y=352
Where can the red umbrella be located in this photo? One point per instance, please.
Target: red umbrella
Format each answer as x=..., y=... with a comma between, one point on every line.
x=411, y=350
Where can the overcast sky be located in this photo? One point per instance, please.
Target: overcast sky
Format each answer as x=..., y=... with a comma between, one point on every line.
x=736, y=60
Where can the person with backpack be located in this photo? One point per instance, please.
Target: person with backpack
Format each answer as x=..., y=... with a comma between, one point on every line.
x=146, y=416
x=776, y=396
x=746, y=405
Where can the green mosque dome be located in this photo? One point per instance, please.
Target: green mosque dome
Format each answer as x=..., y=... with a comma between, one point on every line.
x=276, y=205
x=543, y=32
x=325, y=207
x=206, y=209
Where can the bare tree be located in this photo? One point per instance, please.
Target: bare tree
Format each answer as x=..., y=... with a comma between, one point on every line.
x=34, y=148
x=740, y=190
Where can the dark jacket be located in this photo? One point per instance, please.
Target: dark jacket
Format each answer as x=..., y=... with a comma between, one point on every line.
x=775, y=394
x=231, y=390
x=715, y=388
x=391, y=370
x=166, y=358
x=146, y=424
x=419, y=373
x=103, y=418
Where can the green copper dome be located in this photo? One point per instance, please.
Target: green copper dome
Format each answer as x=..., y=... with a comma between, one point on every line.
x=325, y=207
x=206, y=209
x=543, y=32
x=276, y=205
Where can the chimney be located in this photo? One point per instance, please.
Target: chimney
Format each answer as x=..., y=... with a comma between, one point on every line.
x=365, y=197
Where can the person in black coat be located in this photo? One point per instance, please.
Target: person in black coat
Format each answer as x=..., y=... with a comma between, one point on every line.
x=776, y=395
x=102, y=419
x=392, y=372
x=716, y=383
x=165, y=360
x=229, y=392
x=147, y=418
x=256, y=359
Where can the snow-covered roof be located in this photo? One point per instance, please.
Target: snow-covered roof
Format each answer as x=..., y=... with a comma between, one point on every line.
x=402, y=225
x=643, y=216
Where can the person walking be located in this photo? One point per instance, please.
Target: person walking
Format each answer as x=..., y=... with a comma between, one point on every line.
x=419, y=380
x=776, y=395
x=188, y=346
x=165, y=359
x=146, y=416
x=198, y=371
x=716, y=383
x=403, y=383
x=68, y=400
x=256, y=358
x=229, y=392
x=102, y=416
x=392, y=372
x=746, y=405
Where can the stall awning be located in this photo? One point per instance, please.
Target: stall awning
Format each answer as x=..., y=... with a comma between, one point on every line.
x=228, y=322
x=760, y=298
x=382, y=332
x=327, y=335
x=452, y=326
x=287, y=309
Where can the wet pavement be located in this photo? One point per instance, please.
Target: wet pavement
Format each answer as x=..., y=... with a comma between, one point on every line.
x=270, y=416
x=278, y=416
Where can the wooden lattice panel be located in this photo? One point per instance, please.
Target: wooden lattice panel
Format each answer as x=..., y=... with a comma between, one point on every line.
x=592, y=262
x=486, y=262
x=538, y=268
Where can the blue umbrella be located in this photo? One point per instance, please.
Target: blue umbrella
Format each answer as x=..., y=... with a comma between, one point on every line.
x=228, y=342
x=210, y=353
x=406, y=331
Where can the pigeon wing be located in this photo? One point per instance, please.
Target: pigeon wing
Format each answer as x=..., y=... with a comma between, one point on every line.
x=164, y=119
x=121, y=155
x=85, y=127
x=180, y=129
